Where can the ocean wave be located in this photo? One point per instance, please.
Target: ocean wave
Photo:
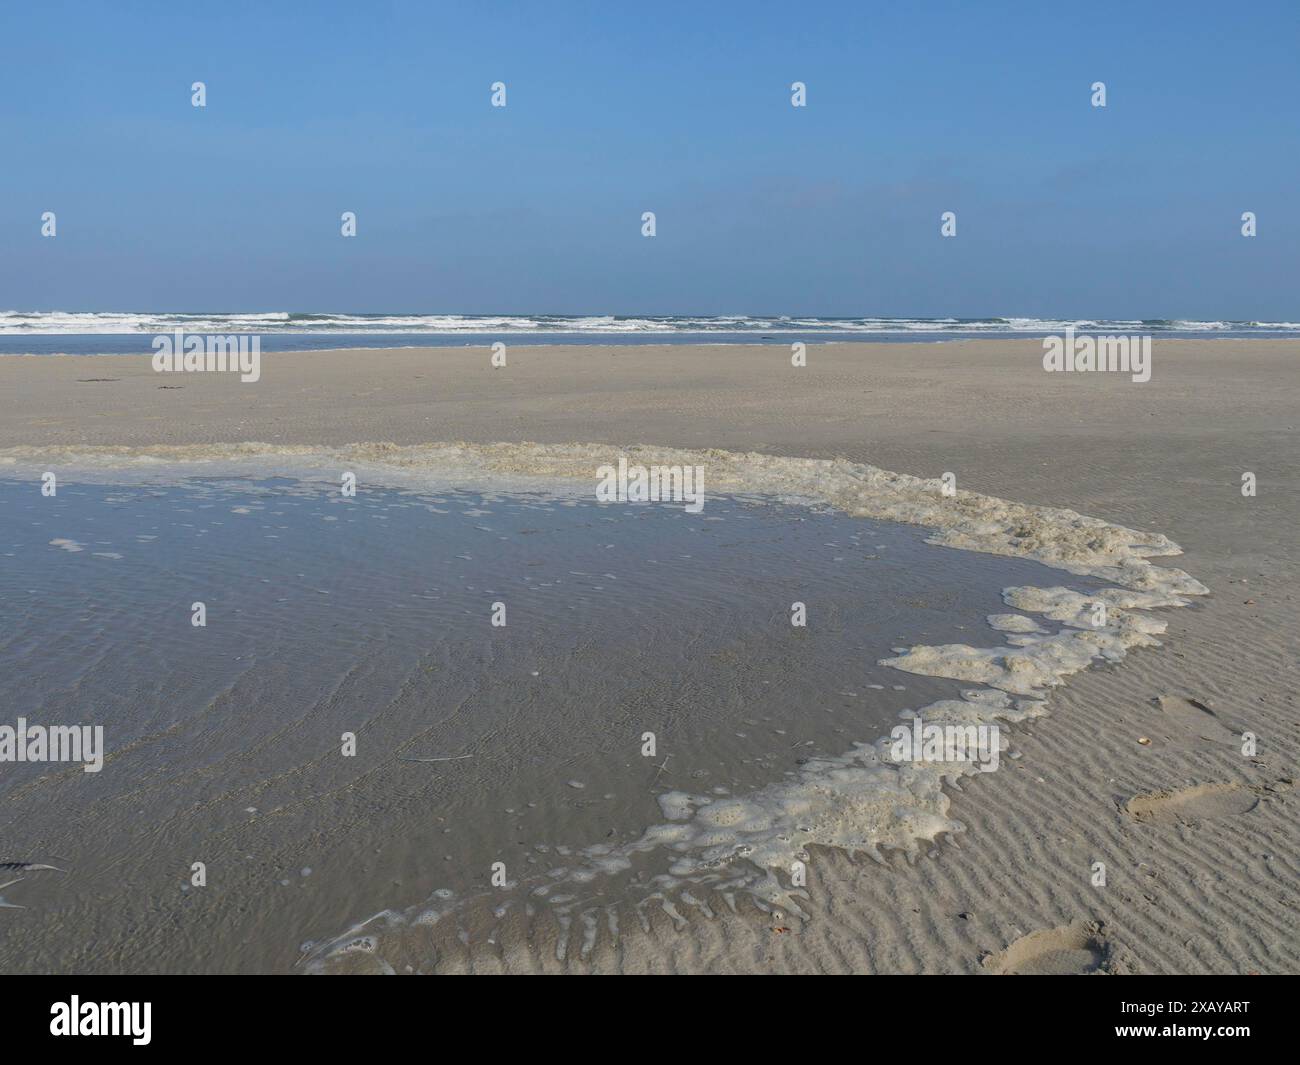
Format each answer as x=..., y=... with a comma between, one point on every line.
x=39, y=323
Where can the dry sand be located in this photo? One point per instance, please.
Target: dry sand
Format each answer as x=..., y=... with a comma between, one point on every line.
x=1200, y=843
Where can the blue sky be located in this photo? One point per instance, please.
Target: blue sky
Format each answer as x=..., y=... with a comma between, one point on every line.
x=681, y=109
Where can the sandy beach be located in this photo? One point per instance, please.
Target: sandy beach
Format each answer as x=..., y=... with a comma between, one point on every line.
x=1198, y=840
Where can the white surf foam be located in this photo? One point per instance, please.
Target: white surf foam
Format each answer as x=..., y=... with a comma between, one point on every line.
x=41, y=323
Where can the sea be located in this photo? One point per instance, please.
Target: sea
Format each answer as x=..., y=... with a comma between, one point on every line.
x=126, y=332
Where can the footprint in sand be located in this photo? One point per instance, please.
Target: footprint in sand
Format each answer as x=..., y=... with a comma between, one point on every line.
x=1198, y=802
x=1072, y=949
x=1187, y=722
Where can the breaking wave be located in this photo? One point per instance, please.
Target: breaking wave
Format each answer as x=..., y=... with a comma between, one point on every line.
x=125, y=323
